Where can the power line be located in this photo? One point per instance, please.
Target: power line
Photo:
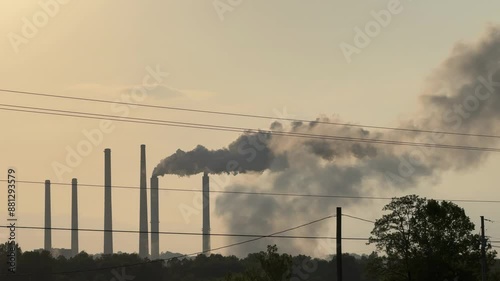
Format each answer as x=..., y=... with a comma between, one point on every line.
x=218, y=191
x=183, y=256
x=175, y=233
x=246, y=115
x=87, y=115
x=258, y=193
x=371, y=221
x=358, y=218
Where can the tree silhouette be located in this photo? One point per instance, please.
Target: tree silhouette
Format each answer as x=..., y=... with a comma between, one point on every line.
x=426, y=240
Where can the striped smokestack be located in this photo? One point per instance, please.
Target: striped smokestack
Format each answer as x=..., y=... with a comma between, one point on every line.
x=74, y=217
x=108, y=218
x=143, y=215
x=48, y=224
x=206, y=214
x=155, y=223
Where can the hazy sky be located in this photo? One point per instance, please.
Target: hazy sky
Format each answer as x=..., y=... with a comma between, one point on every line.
x=279, y=58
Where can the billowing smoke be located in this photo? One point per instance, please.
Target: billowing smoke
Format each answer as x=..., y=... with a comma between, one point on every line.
x=239, y=157
x=462, y=95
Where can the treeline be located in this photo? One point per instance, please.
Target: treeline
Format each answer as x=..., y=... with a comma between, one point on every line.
x=266, y=265
x=416, y=239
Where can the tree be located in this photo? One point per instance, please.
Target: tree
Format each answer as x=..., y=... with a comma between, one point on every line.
x=273, y=267
x=426, y=240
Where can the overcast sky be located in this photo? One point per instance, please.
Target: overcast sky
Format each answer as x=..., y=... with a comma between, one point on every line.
x=279, y=58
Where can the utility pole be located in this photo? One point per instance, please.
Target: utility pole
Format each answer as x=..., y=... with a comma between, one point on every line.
x=339, y=244
x=483, y=251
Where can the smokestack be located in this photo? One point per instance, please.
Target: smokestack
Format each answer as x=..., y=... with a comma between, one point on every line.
x=108, y=218
x=206, y=214
x=48, y=234
x=143, y=215
x=155, y=223
x=74, y=217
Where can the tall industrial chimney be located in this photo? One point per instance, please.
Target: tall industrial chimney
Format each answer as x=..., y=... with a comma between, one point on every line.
x=206, y=214
x=155, y=223
x=48, y=224
x=108, y=217
x=143, y=215
x=74, y=217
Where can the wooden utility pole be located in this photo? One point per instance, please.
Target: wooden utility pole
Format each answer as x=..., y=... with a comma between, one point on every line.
x=339, y=244
x=483, y=251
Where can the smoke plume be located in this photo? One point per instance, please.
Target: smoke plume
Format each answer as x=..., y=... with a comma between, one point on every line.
x=461, y=95
x=248, y=153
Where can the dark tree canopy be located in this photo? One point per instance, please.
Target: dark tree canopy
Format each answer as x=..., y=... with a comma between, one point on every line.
x=264, y=265
x=426, y=240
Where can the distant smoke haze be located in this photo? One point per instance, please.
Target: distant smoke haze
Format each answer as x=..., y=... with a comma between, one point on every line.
x=461, y=95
